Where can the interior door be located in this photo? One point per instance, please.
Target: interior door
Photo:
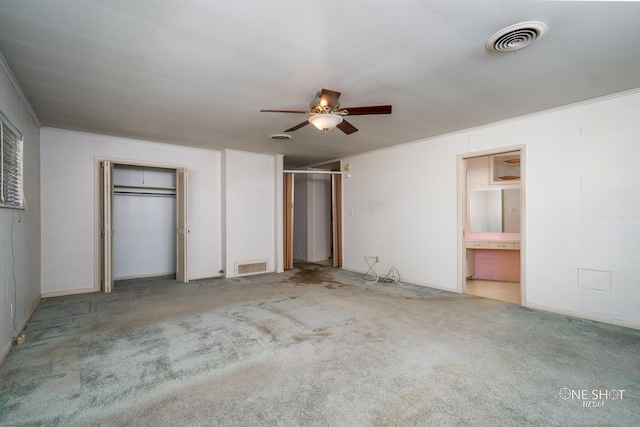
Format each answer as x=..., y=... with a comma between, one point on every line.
x=106, y=220
x=182, y=226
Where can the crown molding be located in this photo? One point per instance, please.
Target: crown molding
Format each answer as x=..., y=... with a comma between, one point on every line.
x=16, y=85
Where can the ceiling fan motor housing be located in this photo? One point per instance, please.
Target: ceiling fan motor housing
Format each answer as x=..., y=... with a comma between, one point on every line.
x=316, y=107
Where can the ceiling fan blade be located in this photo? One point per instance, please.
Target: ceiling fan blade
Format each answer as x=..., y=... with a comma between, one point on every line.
x=329, y=97
x=371, y=109
x=284, y=111
x=347, y=127
x=296, y=127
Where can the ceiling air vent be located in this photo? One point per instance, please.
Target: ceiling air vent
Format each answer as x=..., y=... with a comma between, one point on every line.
x=281, y=137
x=516, y=37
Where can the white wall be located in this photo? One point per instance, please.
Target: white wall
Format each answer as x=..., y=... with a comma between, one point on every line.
x=582, y=193
x=144, y=236
x=20, y=250
x=144, y=224
x=300, y=214
x=319, y=217
x=400, y=205
x=69, y=201
x=249, y=209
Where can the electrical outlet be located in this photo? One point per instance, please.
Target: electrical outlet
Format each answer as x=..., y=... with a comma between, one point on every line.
x=377, y=259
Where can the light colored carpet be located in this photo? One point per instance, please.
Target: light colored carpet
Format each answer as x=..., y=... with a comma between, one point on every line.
x=312, y=347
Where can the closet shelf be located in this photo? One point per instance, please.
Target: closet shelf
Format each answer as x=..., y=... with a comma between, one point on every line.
x=146, y=187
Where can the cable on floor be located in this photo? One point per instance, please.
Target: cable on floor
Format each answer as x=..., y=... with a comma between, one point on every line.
x=371, y=276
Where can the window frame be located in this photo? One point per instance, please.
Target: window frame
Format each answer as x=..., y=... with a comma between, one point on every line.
x=9, y=134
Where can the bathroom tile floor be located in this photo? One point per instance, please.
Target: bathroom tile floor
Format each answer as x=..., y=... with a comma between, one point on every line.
x=503, y=291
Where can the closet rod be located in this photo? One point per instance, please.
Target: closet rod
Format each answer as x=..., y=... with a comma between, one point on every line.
x=133, y=193
x=314, y=171
x=146, y=187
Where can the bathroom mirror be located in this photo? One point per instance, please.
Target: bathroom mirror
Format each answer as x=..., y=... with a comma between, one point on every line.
x=495, y=211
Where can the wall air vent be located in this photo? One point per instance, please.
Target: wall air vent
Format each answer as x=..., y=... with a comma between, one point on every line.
x=516, y=37
x=247, y=268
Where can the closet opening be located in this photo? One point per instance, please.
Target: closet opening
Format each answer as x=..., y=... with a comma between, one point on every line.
x=143, y=223
x=491, y=213
x=313, y=217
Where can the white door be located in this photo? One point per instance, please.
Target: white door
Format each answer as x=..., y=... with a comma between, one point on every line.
x=106, y=219
x=182, y=226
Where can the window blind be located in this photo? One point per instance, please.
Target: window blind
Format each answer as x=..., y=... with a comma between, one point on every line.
x=11, y=194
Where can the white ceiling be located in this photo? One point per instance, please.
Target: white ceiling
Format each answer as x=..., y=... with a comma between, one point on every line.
x=197, y=72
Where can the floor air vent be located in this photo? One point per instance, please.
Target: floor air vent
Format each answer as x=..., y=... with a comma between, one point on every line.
x=246, y=268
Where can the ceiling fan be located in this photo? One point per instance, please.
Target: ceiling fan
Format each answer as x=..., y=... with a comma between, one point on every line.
x=326, y=113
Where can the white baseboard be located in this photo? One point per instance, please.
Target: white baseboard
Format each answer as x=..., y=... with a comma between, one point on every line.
x=28, y=316
x=7, y=347
x=408, y=282
x=64, y=292
x=75, y=291
x=202, y=277
x=206, y=276
x=582, y=315
x=570, y=313
x=5, y=350
x=144, y=276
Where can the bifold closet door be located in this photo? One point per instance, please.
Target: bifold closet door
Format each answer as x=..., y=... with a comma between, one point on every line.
x=106, y=220
x=182, y=226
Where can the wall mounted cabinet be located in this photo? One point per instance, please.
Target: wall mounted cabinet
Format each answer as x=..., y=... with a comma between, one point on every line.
x=505, y=169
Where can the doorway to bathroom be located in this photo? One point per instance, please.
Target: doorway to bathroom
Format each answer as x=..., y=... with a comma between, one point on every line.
x=491, y=212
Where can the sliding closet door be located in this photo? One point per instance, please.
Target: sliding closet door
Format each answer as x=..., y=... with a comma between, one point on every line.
x=337, y=219
x=288, y=221
x=106, y=220
x=182, y=226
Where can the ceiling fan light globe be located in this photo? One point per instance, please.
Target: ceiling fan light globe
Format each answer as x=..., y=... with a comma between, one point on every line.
x=325, y=122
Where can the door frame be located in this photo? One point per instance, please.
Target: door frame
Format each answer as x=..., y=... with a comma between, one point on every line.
x=462, y=214
x=287, y=238
x=97, y=225
x=337, y=208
